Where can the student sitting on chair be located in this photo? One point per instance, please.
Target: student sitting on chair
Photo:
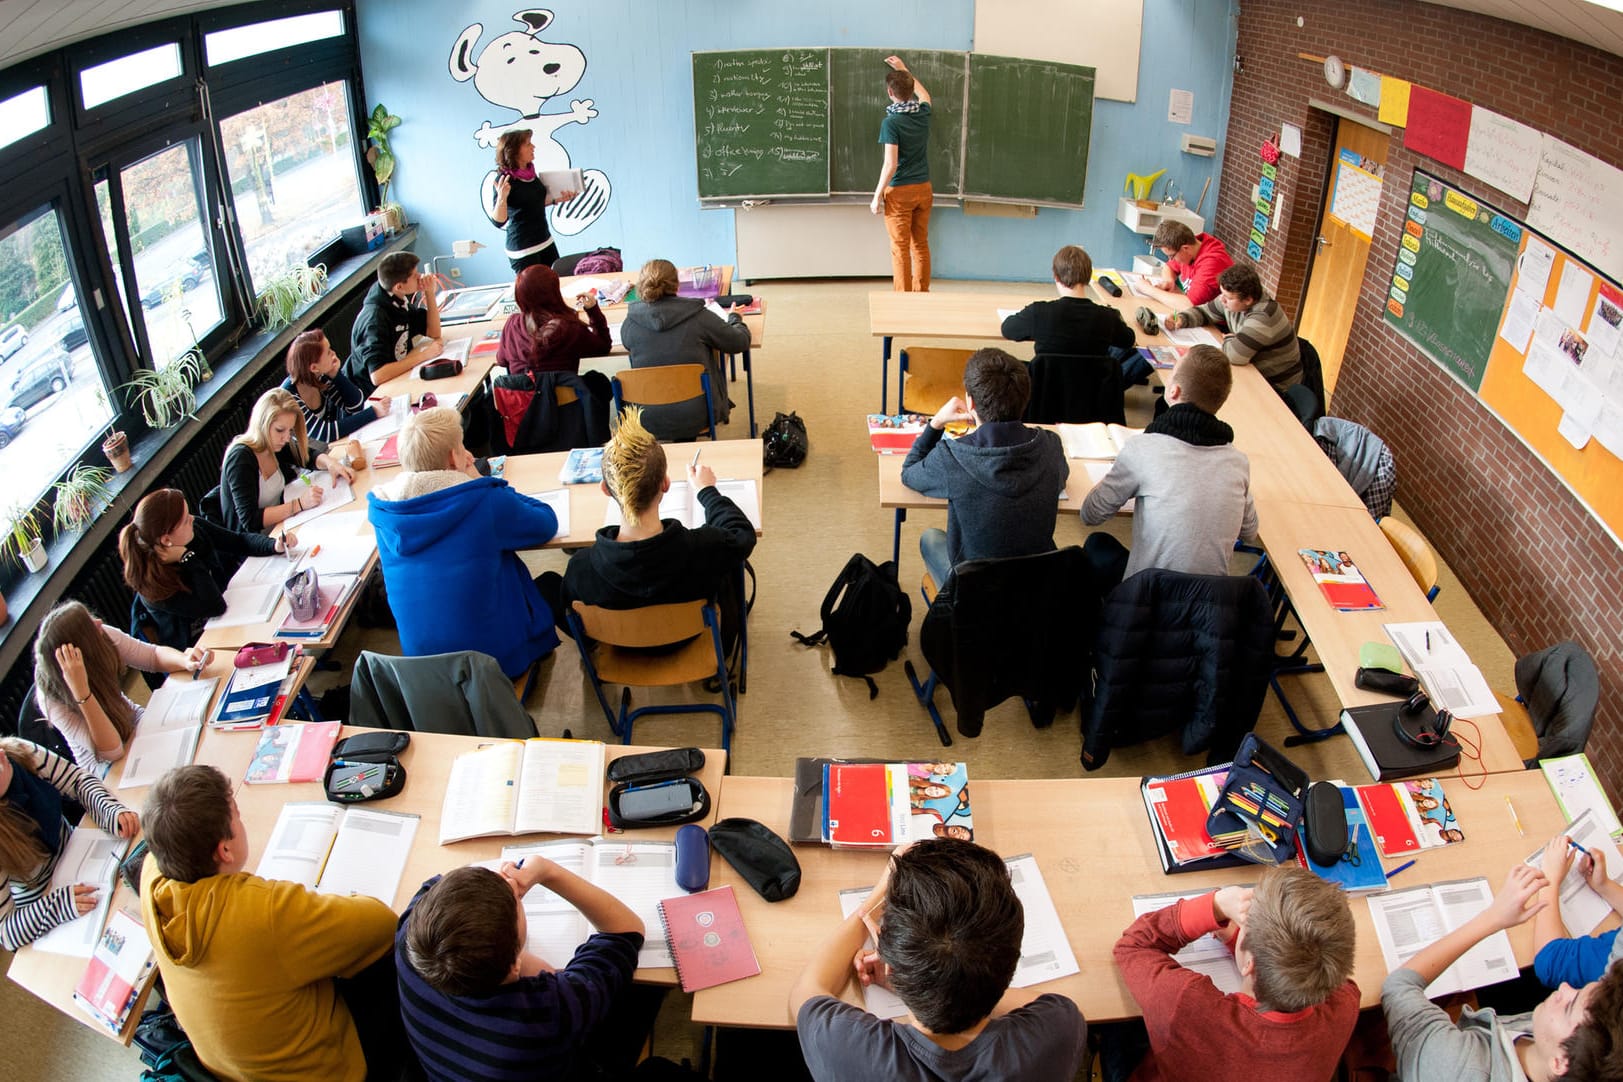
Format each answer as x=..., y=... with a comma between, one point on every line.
x=1292, y=938
x=333, y=406
x=1002, y=481
x=663, y=328
x=79, y=665
x=1193, y=262
x=448, y=539
x=1576, y=1033
x=546, y=334
x=258, y=476
x=948, y=926
x=1074, y=324
x=179, y=565
x=248, y=963
x=380, y=341
x=647, y=560
x=1258, y=330
x=33, y=784
x=1558, y=959
x=478, y=1004
x=1191, y=490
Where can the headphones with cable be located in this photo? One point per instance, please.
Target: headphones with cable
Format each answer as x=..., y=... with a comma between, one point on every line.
x=1430, y=732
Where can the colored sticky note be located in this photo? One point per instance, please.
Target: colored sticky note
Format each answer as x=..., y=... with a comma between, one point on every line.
x=1394, y=101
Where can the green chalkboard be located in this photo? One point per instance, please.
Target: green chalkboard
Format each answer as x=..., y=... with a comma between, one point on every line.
x=1452, y=275
x=857, y=103
x=1029, y=123
x=760, y=122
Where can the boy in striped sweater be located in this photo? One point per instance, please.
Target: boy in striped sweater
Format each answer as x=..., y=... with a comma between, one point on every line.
x=1257, y=330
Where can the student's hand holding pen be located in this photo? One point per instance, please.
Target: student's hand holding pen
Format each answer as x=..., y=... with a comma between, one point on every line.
x=197, y=659
x=701, y=476
x=381, y=405
x=287, y=542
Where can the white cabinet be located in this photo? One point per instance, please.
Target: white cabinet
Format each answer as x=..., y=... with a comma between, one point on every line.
x=1143, y=220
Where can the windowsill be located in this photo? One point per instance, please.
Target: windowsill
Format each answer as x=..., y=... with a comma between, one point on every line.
x=32, y=595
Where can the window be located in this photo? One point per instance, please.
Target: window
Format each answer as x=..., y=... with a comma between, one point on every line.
x=174, y=268
x=53, y=401
x=116, y=78
x=224, y=46
x=293, y=177
x=24, y=114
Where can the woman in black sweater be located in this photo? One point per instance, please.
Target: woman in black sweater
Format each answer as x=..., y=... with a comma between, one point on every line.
x=179, y=565
x=256, y=492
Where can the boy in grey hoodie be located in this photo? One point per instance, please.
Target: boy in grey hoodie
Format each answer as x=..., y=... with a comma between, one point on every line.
x=1002, y=481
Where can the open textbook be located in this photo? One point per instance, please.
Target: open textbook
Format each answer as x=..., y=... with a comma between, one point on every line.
x=1208, y=954
x=338, y=850
x=679, y=503
x=639, y=873
x=1407, y=921
x=1450, y=677
x=1095, y=439
x=91, y=856
x=167, y=735
x=530, y=786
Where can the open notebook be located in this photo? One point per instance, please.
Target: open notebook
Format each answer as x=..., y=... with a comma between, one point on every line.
x=679, y=503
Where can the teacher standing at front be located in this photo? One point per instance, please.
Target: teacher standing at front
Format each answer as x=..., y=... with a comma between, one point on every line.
x=521, y=203
x=904, y=183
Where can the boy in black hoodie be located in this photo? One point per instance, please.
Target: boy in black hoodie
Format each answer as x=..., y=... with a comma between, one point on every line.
x=1002, y=481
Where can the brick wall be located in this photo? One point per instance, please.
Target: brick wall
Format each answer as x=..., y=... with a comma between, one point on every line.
x=1541, y=568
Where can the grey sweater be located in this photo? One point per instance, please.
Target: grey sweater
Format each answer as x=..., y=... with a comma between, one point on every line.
x=1190, y=503
x=1262, y=336
x=679, y=330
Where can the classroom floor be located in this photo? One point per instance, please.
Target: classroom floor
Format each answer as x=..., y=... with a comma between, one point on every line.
x=819, y=361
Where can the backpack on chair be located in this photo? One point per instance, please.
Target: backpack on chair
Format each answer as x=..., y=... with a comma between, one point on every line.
x=865, y=616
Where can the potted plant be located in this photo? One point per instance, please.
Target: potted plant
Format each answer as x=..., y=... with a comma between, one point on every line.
x=287, y=293
x=77, y=495
x=165, y=394
x=381, y=157
x=22, y=539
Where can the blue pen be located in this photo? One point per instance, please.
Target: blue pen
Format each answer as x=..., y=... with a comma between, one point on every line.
x=1578, y=847
x=1400, y=868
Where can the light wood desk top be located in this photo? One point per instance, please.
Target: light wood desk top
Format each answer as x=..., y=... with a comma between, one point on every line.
x=1091, y=838
x=892, y=493
x=616, y=313
x=1286, y=461
x=52, y=977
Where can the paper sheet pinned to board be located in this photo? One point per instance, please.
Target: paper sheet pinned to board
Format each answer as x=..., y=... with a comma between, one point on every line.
x=1573, y=431
x=1394, y=101
x=1519, y=319
x=1534, y=273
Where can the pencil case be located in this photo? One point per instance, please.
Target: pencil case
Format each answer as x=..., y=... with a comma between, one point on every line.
x=381, y=778
x=261, y=653
x=670, y=767
x=1386, y=682
x=440, y=370
x=1262, y=798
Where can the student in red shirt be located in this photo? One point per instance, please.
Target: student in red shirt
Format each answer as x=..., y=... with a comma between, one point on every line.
x=1193, y=262
x=1293, y=940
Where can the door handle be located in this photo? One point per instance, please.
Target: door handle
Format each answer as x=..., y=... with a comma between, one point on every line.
x=1323, y=242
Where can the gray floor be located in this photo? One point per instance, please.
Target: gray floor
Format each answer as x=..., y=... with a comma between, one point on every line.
x=820, y=362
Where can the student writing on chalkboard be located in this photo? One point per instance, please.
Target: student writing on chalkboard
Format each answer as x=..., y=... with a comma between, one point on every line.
x=903, y=191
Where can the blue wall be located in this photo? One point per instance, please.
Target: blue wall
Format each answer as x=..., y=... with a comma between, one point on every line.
x=639, y=77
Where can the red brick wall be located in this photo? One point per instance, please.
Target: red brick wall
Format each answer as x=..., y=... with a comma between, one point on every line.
x=1539, y=565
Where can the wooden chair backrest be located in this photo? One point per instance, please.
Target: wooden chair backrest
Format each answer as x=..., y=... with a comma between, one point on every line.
x=661, y=384
x=1413, y=550
x=651, y=625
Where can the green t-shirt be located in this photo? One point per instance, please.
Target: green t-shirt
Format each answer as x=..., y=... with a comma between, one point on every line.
x=910, y=132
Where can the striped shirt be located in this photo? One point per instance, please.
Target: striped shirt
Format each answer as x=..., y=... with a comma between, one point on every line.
x=340, y=412
x=29, y=908
x=529, y=1028
x=1261, y=336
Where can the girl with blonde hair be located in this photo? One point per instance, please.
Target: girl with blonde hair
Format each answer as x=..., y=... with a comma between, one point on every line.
x=260, y=463
x=79, y=664
x=33, y=785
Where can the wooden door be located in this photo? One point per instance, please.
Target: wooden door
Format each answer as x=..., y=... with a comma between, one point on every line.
x=1337, y=271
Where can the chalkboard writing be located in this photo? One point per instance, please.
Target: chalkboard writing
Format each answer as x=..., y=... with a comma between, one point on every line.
x=761, y=122
x=1452, y=276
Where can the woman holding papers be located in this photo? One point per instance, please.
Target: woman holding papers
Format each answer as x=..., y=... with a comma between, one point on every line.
x=521, y=202
x=257, y=489
x=179, y=565
x=663, y=328
x=33, y=784
x=79, y=663
x=649, y=561
x=333, y=406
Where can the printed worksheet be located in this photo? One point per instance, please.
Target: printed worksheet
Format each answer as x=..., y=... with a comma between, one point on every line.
x=1207, y=955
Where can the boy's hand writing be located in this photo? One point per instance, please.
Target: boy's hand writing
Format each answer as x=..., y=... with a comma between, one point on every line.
x=1594, y=869
x=1518, y=900
x=701, y=477
x=896, y=62
x=383, y=405
x=1557, y=858
x=1172, y=322
x=533, y=873
x=954, y=410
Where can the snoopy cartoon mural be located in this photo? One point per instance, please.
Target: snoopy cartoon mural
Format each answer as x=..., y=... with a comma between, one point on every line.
x=519, y=71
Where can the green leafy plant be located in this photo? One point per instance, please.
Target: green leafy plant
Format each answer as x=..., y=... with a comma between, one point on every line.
x=286, y=294
x=22, y=537
x=77, y=495
x=165, y=395
x=378, y=127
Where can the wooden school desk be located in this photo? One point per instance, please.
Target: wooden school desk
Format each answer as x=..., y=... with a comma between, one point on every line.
x=52, y=977
x=1091, y=838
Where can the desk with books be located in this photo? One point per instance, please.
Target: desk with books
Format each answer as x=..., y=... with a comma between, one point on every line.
x=1092, y=841
x=428, y=762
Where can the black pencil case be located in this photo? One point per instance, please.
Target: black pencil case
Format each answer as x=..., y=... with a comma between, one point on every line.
x=1387, y=682
x=652, y=768
x=1261, y=769
x=373, y=747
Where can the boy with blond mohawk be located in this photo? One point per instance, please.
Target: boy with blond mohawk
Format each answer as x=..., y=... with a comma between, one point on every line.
x=1293, y=941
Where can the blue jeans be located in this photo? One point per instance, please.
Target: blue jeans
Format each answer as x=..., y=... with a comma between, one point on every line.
x=937, y=561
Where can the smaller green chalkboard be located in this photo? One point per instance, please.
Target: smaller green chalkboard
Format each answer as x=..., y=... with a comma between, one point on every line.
x=760, y=121
x=1028, y=130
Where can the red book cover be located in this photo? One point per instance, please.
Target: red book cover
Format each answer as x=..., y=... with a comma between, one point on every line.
x=389, y=453
x=894, y=434
x=1388, y=819
x=856, y=809
x=1339, y=580
x=1181, y=810
x=708, y=942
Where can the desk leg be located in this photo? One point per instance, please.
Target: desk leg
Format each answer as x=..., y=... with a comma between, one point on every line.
x=884, y=375
x=896, y=538
x=308, y=702
x=749, y=382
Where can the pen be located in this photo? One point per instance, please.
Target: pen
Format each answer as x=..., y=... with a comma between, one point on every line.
x=1578, y=847
x=315, y=552
x=695, y=464
x=1514, y=818
x=1428, y=642
x=350, y=763
x=1400, y=868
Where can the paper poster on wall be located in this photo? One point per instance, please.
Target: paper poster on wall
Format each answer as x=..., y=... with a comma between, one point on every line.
x=1357, y=198
x=1519, y=319
x=1503, y=152
x=1365, y=86
x=1534, y=273
x=1180, y=106
x=1609, y=429
x=1394, y=101
x=1290, y=140
x=1572, y=295
x=1573, y=431
x=1604, y=327
x=1439, y=126
x=1575, y=203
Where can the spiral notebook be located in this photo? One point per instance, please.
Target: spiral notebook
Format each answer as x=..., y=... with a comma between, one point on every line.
x=709, y=945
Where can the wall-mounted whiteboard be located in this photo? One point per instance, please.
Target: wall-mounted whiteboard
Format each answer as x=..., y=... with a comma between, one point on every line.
x=1099, y=34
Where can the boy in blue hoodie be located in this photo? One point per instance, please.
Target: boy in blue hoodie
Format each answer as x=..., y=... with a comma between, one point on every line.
x=447, y=538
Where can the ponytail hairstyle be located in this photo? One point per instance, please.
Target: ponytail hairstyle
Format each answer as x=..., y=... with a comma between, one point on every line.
x=303, y=355
x=633, y=464
x=72, y=622
x=157, y=514
x=22, y=850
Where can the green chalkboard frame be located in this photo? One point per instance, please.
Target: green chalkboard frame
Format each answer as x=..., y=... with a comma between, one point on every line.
x=1451, y=275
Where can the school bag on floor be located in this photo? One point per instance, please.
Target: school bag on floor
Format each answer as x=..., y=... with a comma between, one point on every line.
x=865, y=616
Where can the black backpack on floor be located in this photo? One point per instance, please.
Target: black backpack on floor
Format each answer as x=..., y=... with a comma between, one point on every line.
x=865, y=616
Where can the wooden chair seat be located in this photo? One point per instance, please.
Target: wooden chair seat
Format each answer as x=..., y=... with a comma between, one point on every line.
x=930, y=376
x=1518, y=726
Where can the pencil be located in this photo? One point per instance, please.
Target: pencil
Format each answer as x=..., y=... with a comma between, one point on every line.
x=1514, y=818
